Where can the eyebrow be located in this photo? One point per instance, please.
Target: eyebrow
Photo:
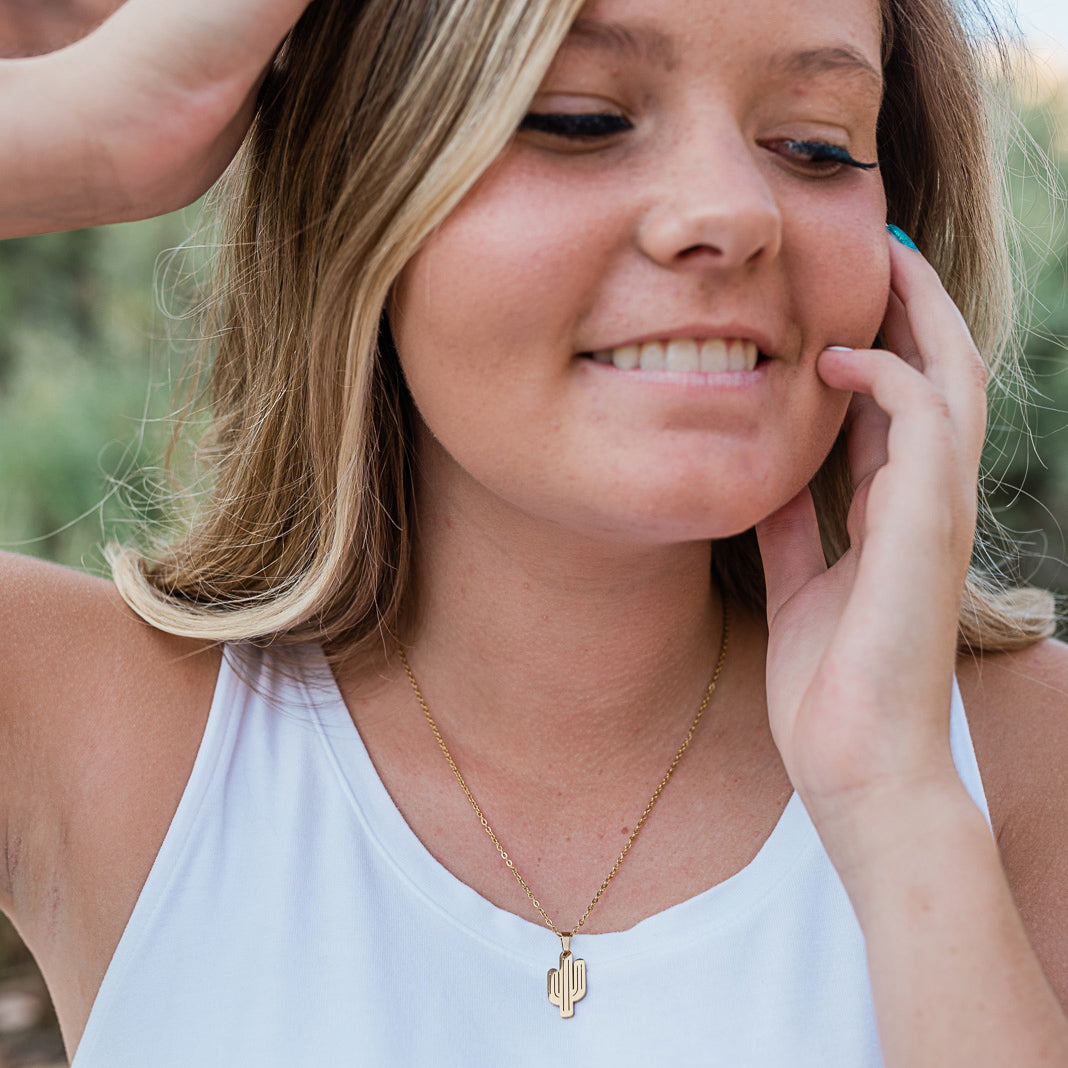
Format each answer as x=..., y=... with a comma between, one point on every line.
x=833, y=60
x=641, y=42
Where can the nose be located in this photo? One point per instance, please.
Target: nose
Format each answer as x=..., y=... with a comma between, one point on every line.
x=711, y=207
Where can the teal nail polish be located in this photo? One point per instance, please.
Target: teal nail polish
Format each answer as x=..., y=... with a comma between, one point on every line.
x=900, y=235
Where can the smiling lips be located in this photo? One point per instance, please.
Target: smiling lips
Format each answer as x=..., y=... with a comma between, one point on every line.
x=711, y=355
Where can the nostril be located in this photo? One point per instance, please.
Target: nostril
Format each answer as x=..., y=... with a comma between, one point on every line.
x=696, y=250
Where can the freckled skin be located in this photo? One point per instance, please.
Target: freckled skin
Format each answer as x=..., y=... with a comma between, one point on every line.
x=688, y=218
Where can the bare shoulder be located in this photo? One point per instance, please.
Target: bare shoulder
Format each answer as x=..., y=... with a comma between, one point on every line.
x=1017, y=705
x=100, y=714
x=68, y=640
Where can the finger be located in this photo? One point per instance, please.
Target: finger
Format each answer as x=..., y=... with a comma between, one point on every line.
x=791, y=550
x=919, y=438
x=898, y=335
x=866, y=428
x=866, y=425
x=933, y=328
x=923, y=491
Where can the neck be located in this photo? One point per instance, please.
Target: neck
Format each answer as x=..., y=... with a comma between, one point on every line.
x=533, y=638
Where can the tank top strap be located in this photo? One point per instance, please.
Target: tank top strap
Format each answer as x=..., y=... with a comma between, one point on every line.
x=960, y=740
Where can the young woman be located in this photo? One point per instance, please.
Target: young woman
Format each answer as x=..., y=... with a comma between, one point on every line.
x=531, y=318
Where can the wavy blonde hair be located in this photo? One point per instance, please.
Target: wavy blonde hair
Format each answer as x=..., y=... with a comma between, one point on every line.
x=375, y=121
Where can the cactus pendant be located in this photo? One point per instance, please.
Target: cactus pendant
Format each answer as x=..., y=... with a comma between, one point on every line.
x=567, y=982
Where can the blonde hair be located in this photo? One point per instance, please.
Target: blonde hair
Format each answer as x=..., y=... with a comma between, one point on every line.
x=375, y=121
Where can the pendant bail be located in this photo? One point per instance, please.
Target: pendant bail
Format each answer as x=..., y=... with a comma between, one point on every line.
x=565, y=940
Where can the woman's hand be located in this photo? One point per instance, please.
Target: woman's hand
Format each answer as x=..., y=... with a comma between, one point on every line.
x=859, y=677
x=138, y=118
x=861, y=655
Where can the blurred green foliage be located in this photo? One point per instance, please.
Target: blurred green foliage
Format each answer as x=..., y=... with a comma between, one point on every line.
x=84, y=367
x=1027, y=451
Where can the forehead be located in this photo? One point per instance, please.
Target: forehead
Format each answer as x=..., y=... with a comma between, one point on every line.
x=771, y=37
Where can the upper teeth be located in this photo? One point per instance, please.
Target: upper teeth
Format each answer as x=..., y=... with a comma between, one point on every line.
x=713, y=355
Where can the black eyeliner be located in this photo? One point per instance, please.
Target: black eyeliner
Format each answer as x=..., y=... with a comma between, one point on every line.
x=821, y=152
x=575, y=125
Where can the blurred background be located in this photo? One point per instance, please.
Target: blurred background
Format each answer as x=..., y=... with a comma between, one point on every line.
x=88, y=357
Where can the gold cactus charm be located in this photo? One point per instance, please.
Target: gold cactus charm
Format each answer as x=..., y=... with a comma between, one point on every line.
x=567, y=983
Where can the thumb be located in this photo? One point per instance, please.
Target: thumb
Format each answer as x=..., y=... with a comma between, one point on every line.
x=791, y=550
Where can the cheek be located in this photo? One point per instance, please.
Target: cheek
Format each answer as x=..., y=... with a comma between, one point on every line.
x=484, y=316
x=840, y=262
x=838, y=265
x=509, y=267
x=482, y=327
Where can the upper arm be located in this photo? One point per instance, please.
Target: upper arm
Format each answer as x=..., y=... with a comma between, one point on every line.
x=1017, y=707
x=39, y=649
x=55, y=629
x=99, y=713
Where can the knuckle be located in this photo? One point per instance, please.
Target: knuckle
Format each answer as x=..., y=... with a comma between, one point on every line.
x=939, y=406
x=977, y=367
x=931, y=401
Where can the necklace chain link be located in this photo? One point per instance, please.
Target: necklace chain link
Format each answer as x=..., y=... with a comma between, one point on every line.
x=709, y=690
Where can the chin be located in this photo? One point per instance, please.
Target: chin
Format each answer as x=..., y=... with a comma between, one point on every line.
x=700, y=508
x=667, y=520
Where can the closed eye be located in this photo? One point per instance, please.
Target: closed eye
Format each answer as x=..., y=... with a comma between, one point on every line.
x=820, y=154
x=577, y=127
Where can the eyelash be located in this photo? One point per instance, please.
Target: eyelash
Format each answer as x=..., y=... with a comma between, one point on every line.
x=577, y=127
x=821, y=152
x=591, y=126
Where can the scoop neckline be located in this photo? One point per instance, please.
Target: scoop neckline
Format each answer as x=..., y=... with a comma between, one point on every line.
x=791, y=839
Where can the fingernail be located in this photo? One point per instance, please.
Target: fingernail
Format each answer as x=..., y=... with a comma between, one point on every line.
x=901, y=236
x=838, y=348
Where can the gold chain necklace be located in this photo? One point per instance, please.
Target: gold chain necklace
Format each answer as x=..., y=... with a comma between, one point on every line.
x=567, y=982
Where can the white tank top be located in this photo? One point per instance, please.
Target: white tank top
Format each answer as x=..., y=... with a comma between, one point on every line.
x=292, y=918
